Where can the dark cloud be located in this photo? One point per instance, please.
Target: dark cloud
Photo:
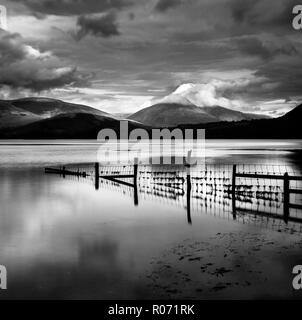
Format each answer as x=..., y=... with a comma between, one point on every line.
x=254, y=46
x=22, y=66
x=263, y=13
x=73, y=7
x=10, y=50
x=241, y=10
x=102, y=26
x=164, y=5
x=272, y=80
x=285, y=76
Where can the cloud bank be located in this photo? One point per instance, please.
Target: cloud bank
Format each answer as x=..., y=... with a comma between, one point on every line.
x=22, y=66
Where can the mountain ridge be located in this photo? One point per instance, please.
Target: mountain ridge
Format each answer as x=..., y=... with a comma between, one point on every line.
x=173, y=114
x=18, y=112
x=66, y=126
x=287, y=126
x=87, y=126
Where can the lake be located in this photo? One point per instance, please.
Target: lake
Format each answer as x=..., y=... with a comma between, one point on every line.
x=61, y=238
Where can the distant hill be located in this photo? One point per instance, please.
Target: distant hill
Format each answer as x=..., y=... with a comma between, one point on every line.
x=294, y=115
x=225, y=114
x=189, y=104
x=66, y=126
x=285, y=127
x=11, y=115
x=173, y=114
x=14, y=113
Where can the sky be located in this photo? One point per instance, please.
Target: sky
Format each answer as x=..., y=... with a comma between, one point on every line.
x=122, y=55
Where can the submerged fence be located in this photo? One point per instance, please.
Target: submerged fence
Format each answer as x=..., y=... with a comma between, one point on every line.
x=255, y=191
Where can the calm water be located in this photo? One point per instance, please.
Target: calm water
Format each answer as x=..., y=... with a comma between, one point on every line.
x=61, y=238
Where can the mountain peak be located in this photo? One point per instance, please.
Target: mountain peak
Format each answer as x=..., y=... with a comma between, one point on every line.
x=199, y=94
x=184, y=87
x=176, y=99
x=180, y=95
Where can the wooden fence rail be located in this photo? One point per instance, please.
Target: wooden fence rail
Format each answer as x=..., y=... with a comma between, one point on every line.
x=286, y=187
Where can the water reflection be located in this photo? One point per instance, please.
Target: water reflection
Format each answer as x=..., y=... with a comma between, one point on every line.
x=255, y=194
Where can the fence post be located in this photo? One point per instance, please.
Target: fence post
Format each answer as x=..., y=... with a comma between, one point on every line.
x=286, y=197
x=189, y=186
x=234, y=191
x=97, y=175
x=189, y=200
x=135, y=170
x=188, y=168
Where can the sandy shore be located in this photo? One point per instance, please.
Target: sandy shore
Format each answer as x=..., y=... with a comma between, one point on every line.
x=227, y=266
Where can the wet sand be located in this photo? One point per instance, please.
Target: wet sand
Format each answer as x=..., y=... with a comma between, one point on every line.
x=233, y=265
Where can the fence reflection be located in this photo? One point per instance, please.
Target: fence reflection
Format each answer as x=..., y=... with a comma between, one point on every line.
x=268, y=196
